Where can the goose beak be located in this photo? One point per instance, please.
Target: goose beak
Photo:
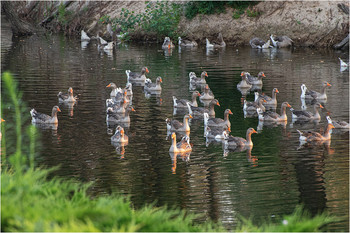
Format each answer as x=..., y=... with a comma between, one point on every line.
x=122, y=131
x=173, y=135
x=190, y=116
x=264, y=100
x=288, y=105
x=132, y=109
x=108, y=85
x=263, y=75
x=229, y=129
x=147, y=70
x=321, y=106
x=218, y=104
x=328, y=84
x=277, y=91
x=2, y=120
x=161, y=80
x=168, y=46
x=332, y=126
x=254, y=131
x=242, y=74
x=58, y=109
x=206, y=75
x=199, y=94
x=230, y=112
x=71, y=90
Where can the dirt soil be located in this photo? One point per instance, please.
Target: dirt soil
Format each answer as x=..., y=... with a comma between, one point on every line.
x=307, y=23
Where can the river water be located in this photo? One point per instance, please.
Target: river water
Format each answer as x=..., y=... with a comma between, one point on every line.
x=268, y=181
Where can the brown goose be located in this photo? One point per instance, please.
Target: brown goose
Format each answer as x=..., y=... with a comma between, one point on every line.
x=67, y=98
x=182, y=146
x=309, y=94
x=182, y=103
x=218, y=122
x=311, y=136
x=175, y=125
x=137, y=77
x=197, y=112
x=272, y=116
x=305, y=115
x=119, y=135
x=235, y=142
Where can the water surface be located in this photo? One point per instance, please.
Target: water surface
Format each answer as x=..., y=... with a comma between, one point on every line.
x=267, y=181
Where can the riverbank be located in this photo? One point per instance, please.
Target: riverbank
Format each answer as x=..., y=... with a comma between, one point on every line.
x=315, y=24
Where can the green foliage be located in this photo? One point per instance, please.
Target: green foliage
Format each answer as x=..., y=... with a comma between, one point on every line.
x=299, y=221
x=252, y=13
x=160, y=18
x=63, y=16
x=193, y=8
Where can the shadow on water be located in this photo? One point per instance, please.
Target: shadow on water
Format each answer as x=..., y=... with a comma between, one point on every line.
x=271, y=179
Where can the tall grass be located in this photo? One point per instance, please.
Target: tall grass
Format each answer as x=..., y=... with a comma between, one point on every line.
x=32, y=202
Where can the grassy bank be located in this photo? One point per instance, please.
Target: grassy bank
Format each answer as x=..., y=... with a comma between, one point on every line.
x=32, y=202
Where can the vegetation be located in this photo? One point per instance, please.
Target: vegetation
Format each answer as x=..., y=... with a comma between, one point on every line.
x=215, y=7
x=160, y=18
x=32, y=202
x=64, y=16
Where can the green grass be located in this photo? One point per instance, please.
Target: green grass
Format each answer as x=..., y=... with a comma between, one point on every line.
x=32, y=202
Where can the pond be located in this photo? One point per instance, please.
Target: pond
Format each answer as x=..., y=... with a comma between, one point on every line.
x=270, y=180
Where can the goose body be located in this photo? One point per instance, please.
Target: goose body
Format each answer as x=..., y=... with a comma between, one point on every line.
x=149, y=86
x=281, y=41
x=167, y=44
x=115, y=90
x=312, y=136
x=238, y=142
x=219, y=43
x=119, y=135
x=338, y=124
x=272, y=116
x=218, y=122
x=310, y=94
x=67, y=98
x=195, y=80
x=206, y=94
x=216, y=133
x=109, y=46
x=117, y=107
x=197, y=112
x=187, y=43
x=270, y=100
x=256, y=80
x=137, y=77
x=175, y=125
x=84, y=36
x=180, y=147
x=342, y=63
x=257, y=43
x=245, y=82
x=121, y=118
x=305, y=115
x=252, y=106
x=41, y=118
x=182, y=103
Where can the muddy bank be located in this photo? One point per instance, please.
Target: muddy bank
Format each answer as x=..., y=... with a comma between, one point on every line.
x=318, y=23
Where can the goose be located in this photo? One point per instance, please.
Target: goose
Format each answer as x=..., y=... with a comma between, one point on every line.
x=115, y=89
x=281, y=41
x=167, y=44
x=338, y=124
x=109, y=46
x=182, y=146
x=238, y=142
x=121, y=118
x=257, y=43
x=216, y=133
x=219, y=43
x=182, y=103
x=175, y=125
x=197, y=112
x=207, y=94
x=117, y=107
x=311, y=136
x=187, y=43
x=309, y=94
x=252, y=106
x=342, y=63
x=84, y=36
x=149, y=86
x=272, y=116
x=305, y=115
x=119, y=135
x=195, y=80
x=256, y=80
x=270, y=100
x=137, y=77
x=218, y=122
x=128, y=88
x=41, y=118
x=67, y=98
x=245, y=82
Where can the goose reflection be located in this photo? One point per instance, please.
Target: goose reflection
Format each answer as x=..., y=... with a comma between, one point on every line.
x=185, y=156
x=253, y=160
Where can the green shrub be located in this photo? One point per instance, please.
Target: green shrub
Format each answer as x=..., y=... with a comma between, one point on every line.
x=64, y=16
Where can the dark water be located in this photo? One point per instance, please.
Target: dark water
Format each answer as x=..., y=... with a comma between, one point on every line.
x=269, y=181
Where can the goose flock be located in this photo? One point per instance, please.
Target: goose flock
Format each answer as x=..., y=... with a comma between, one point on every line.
x=119, y=106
